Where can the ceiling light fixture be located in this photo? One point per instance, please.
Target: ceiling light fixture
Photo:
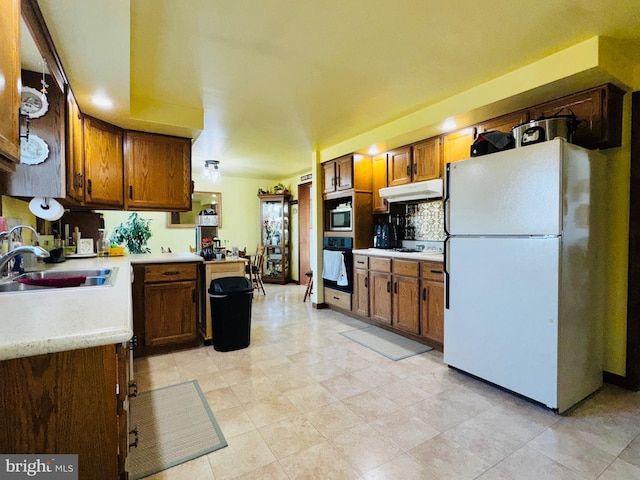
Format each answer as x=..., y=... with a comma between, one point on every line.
x=211, y=171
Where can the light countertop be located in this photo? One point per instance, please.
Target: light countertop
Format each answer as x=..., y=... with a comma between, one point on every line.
x=377, y=252
x=58, y=319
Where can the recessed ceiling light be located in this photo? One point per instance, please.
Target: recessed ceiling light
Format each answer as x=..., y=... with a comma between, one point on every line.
x=449, y=124
x=101, y=100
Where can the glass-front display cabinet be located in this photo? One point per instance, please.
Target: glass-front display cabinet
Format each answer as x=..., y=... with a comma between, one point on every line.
x=274, y=213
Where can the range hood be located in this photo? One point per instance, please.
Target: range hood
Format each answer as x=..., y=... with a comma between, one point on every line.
x=430, y=189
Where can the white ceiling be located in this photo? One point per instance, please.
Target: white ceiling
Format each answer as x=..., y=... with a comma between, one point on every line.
x=263, y=84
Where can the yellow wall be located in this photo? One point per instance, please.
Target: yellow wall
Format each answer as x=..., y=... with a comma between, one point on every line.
x=17, y=212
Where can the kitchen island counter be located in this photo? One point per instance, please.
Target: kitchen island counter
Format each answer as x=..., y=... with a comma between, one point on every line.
x=58, y=319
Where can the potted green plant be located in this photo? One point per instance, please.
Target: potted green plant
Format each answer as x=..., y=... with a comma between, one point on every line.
x=133, y=234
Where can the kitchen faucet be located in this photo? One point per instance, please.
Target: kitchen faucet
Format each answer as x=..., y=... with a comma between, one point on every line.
x=38, y=251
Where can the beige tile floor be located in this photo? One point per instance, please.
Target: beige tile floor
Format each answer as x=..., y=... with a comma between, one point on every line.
x=303, y=402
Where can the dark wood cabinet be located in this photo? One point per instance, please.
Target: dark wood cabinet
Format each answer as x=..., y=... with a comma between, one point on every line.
x=165, y=306
x=157, y=172
x=103, y=164
x=504, y=123
x=69, y=402
x=405, y=303
x=399, y=166
x=338, y=174
x=10, y=93
x=380, y=289
x=432, y=302
x=74, y=150
x=361, y=285
x=599, y=111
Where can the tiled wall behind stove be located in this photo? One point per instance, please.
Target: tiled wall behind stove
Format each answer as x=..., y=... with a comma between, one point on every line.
x=428, y=220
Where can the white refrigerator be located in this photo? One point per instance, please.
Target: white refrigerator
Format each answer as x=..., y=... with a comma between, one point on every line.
x=525, y=269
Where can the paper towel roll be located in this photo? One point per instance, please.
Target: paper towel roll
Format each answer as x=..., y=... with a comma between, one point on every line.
x=46, y=208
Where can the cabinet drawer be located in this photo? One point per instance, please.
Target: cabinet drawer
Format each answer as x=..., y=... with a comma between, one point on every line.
x=360, y=261
x=170, y=272
x=380, y=264
x=337, y=298
x=407, y=268
x=433, y=271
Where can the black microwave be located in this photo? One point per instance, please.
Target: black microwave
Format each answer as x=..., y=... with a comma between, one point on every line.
x=341, y=219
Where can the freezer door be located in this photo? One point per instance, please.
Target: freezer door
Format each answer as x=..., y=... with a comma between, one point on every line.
x=516, y=192
x=501, y=323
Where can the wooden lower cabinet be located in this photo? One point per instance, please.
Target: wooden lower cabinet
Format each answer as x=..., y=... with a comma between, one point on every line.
x=72, y=402
x=432, y=302
x=403, y=294
x=405, y=303
x=337, y=298
x=166, y=299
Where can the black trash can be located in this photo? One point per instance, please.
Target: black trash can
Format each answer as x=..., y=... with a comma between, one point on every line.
x=231, y=299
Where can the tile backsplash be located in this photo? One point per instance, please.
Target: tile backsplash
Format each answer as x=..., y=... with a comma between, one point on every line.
x=427, y=219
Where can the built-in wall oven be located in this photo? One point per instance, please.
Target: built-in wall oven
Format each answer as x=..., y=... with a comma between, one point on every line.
x=345, y=246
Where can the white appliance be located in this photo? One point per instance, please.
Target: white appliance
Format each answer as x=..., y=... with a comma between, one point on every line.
x=429, y=189
x=524, y=270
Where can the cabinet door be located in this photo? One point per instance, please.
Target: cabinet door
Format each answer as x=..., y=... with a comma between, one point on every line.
x=399, y=166
x=158, y=171
x=102, y=163
x=432, y=310
x=123, y=367
x=344, y=173
x=170, y=313
x=405, y=304
x=9, y=87
x=329, y=176
x=361, y=292
x=380, y=295
x=504, y=123
x=427, y=163
x=456, y=146
x=379, y=166
x=74, y=150
x=599, y=111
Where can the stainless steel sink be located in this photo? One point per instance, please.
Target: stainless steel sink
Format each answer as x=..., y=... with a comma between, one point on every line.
x=94, y=277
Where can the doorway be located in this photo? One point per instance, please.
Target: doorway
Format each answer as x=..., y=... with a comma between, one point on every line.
x=304, y=231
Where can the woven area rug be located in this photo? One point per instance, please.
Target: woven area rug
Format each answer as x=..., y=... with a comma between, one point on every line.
x=175, y=425
x=384, y=342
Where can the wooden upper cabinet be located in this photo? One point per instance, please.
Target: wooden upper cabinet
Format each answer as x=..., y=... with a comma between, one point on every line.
x=379, y=167
x=158, y=171
x=456, y=146
x=504, y=123
x=399, y=165
x=74, y=150
x=344, y=173
x=329, y=176
x=9, y=87
x=102, y=163
x=599, y=111
x=427, y=162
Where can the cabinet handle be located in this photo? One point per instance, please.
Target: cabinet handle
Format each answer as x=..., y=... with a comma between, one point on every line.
x=89, y=186
x=336, y=298
x=133, y=393
x=415, y=168
x=366, y=282
x=408, y=170
x=171, y=273
x=134, y=432
x=439, y=272
x=388, y=287
x=359, y=262
x=193, y=295
x=424, y=294
x=395, y=287
x=130, y=192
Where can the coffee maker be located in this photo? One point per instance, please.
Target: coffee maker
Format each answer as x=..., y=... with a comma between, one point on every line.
x=387, y=235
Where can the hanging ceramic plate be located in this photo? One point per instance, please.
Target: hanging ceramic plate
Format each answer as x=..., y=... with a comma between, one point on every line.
x=34, y=104
x=33, y=150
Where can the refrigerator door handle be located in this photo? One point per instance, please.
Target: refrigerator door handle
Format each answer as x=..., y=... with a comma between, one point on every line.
x=445, y=201
x=446, y=273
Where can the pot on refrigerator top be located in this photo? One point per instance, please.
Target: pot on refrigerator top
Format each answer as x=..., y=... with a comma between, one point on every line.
x=543, y=129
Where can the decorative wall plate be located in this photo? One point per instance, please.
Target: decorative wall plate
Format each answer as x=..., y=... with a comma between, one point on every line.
x=33, y=150
x=34, y=104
